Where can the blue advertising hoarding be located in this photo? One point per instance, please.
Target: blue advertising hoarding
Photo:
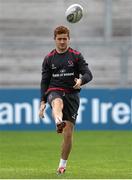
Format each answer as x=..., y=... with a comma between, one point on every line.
x=100, y=109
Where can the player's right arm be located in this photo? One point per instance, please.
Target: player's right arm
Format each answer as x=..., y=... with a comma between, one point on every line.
x=45, y=80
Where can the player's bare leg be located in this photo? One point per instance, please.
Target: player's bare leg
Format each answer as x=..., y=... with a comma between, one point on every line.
x=67, y=141
x=66, y=146
x=57, y=107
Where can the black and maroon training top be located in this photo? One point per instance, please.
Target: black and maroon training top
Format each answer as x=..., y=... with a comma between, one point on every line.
x=60, y=69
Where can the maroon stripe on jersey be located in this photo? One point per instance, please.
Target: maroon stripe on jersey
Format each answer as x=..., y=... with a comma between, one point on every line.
x=76, y=59
x=52, y=53
x=59, y=89
x=73, y=51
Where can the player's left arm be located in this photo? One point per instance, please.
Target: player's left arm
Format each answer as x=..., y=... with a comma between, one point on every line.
x=84, y=71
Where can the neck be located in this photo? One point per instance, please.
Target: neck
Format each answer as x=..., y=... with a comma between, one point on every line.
x=61, y=51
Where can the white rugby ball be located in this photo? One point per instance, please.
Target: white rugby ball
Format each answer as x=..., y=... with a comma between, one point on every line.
x=74, y=13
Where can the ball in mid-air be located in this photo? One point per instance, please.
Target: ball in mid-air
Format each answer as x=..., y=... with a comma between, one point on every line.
x=74, y=13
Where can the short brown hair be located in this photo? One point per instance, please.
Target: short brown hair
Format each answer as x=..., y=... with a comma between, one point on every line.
x=61, y=30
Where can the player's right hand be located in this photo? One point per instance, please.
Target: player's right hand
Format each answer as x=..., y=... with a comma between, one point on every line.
x=41, y=110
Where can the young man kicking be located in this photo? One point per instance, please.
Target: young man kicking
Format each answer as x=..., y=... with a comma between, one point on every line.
x=64, y=71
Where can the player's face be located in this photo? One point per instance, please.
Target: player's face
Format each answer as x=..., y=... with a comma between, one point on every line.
x=62, y=42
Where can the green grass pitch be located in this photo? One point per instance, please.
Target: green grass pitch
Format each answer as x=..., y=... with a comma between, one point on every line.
x=95, y=154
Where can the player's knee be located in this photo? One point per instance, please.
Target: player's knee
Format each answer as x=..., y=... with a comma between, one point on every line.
x=68, y=133
x=57, y=104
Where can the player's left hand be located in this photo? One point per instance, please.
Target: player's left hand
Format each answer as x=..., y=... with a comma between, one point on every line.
x=78, y=83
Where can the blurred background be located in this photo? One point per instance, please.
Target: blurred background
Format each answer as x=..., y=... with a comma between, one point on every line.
x=104, y=36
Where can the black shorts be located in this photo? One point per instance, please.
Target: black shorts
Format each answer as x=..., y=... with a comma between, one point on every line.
x=70, y=102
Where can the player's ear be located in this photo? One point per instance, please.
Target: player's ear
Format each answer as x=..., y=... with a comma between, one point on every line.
x=54, y=37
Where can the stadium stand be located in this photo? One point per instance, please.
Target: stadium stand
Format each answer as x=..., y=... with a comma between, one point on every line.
x=26, y=28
